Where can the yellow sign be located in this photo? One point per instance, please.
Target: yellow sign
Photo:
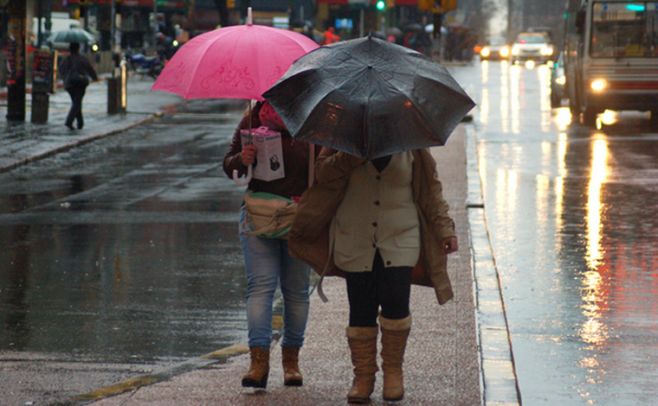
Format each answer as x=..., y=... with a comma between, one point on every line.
x=437, y=6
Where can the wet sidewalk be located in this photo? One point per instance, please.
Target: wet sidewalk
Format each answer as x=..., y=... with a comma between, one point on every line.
x=458, y=354
x=442, y=361
x=22, y=142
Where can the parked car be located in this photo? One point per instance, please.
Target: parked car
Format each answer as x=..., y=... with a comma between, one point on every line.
x=558, y=81
x=532, y=46
x=495, y=51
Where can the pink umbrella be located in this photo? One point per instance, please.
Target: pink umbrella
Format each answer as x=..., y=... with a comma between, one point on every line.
x=237, y=62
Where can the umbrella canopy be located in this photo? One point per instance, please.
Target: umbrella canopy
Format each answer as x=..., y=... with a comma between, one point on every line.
x=394, y=31
x=237, y=62
x=416, y=27
x=369, y=98
x=72, y=35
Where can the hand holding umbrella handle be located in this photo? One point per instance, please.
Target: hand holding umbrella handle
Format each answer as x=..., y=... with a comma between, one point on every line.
x=246, y=180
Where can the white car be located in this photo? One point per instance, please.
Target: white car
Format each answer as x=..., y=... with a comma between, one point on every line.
x=532, y=46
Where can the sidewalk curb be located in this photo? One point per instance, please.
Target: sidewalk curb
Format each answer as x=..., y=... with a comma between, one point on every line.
x=78, y=142
x=131, y=384
x=498, y=377
x=219, y=356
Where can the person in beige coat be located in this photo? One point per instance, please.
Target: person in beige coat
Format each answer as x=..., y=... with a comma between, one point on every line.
x=383, y=225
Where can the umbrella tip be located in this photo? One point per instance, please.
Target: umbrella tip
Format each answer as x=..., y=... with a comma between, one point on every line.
x=250, y=18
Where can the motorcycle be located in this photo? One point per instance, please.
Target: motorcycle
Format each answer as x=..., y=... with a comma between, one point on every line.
x=145, y=65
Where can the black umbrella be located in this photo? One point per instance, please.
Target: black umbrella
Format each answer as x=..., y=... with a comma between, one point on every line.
x=72, y=35
x=369, y=98
x=395, y=31
x=416, y=27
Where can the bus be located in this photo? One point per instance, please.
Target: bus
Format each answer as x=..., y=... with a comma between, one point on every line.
x=611, y=57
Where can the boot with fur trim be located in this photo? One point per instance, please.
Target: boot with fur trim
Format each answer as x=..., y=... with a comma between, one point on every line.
x=363, y=348
x=394, y=342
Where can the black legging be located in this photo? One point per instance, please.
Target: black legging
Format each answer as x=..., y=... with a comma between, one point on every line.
x=385, y=287
x=76, y=92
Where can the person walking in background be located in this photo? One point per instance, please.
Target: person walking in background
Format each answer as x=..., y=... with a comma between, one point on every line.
x=381, y=218
x=76, y=71
x=267, y=262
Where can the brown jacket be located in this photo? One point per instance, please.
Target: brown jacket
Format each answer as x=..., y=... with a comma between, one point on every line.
x=309, y=237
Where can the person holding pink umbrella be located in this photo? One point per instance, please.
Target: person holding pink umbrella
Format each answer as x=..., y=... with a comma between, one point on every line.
x=242, y=62
x=267, y=260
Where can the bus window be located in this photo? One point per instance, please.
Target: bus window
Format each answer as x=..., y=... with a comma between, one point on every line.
x=624, y=30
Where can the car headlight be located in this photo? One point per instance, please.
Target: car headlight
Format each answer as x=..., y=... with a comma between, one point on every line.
x=94, y=48
x=485, y=52
x=516, y=50
x=598, y=85
x=547, y=50
x=561, y=80
x=504, y=52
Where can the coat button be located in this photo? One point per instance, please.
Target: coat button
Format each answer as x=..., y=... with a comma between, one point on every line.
x=376, y=202
x=378, y=177
x=374, y=224
x=388, y=262
x=374, y=245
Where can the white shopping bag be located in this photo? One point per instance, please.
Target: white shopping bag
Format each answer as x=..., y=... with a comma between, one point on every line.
x=269, y=152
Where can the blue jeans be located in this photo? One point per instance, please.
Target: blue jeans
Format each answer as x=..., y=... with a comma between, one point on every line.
x=267, y=265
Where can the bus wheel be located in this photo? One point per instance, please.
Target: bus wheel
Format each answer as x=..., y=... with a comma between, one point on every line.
x=555, y=101
x=589, y=116
x=654, y=118
x=573, y=108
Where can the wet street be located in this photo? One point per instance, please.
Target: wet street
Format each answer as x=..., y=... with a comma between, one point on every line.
x=572, y=216
x=120, y=256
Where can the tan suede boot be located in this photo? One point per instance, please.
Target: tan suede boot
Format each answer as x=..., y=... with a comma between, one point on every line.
x=394, y=343
x=290, y=360
x=363, y=347
x=259, y=369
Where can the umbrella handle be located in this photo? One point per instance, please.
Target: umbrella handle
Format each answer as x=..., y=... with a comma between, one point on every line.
x=246, y=180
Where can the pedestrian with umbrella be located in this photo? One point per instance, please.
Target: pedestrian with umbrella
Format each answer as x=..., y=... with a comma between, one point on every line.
x=241, y=62
x=376, y=215
x=76, y=71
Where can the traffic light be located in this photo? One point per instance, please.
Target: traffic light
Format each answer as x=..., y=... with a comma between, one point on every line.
x=380, y=5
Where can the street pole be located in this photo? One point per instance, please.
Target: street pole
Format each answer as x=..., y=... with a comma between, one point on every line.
x=16, y=60
x=113, y=28
x=361, y=22
x=156, y=25
x=510, y=7
x=39, y=22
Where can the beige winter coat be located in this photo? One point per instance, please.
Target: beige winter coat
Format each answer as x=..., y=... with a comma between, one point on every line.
x=309, y=237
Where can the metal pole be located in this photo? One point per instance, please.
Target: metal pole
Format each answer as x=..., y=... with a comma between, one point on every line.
x=113, y=25
x=361, y=22
x=113, y=12
x=510, y=7
x=39, y=22
x=156, y=25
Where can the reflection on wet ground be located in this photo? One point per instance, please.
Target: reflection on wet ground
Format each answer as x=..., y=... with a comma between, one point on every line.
x=125, y=250
x=572, y=216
